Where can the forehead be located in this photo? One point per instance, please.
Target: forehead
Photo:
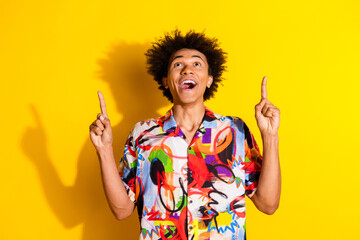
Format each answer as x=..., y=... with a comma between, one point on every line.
x=187, y=53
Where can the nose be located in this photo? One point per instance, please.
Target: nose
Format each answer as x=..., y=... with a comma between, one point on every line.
x=187, y=69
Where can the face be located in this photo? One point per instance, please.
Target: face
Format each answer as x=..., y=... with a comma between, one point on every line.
x=188, y=76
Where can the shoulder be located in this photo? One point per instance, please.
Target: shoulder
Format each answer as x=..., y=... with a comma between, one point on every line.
x=224, y=118
x=146, y=125
x=233, y=120
x=237, y=123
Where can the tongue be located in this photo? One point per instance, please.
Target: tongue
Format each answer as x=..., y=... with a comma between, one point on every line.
x=187, y=86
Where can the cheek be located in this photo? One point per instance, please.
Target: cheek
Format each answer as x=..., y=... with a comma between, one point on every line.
x=172, y=86
x=172, y=78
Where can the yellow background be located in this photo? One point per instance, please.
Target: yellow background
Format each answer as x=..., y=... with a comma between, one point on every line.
x=55, y=55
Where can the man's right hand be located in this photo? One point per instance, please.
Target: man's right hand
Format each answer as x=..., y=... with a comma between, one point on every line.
x=100, y=129
x=115, y=191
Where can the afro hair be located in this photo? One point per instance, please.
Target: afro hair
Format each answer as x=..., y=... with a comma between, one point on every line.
x=159, y=54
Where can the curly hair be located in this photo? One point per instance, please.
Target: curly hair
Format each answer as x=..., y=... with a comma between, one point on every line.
x=159, y=54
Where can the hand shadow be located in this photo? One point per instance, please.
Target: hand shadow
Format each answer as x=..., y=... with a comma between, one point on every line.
x=137, y=98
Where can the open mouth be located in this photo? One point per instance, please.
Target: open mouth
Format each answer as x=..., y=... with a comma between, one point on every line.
x=188, y=84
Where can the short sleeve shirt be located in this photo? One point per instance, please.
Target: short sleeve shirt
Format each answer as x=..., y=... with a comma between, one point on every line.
x=196, y=190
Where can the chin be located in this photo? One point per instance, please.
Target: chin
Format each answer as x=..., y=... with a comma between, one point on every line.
x=188, y=100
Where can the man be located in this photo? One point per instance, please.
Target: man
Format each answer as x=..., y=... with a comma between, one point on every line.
x=188, y=172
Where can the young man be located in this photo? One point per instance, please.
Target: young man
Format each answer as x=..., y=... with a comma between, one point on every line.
x=188, y=172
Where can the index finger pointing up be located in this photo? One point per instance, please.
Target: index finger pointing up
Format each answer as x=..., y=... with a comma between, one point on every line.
x=102, y=104
x=263, y=88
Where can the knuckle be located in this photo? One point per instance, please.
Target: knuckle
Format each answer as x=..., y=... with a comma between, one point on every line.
x=100, y=126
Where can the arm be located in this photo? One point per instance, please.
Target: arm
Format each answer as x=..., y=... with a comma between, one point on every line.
x=267, y=196
x=101, y=137
x=118, y=200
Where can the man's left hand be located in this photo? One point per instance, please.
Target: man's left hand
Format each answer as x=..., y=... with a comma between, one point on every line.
x=266, y=114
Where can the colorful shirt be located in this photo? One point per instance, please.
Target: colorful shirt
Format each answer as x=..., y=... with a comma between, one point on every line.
x=196, y=190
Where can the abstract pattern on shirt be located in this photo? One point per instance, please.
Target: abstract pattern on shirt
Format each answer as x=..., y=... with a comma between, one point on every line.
x=196, y=190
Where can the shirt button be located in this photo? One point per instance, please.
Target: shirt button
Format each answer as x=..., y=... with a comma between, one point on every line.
x=190, y=227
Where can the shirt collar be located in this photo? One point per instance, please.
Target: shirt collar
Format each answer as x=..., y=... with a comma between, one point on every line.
x=169, y=123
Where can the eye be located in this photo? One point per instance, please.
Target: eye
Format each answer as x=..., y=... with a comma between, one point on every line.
x=177, y=64
x=197, y=64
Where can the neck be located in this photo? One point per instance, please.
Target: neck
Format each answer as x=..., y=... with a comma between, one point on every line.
x=189, y=117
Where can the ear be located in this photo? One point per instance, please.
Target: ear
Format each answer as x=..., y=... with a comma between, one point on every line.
x=165, y=83
x=209, y=82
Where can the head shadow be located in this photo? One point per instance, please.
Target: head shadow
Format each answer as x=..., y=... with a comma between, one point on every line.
x=135, y=92
x=137, y=98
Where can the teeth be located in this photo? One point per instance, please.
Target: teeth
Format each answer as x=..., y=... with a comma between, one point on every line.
x=188, y=81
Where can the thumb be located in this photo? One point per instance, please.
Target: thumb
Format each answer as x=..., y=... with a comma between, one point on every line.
x=259, y=107
x=104, y=120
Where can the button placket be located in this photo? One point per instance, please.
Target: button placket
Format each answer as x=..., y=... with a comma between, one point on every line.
x=189, y=200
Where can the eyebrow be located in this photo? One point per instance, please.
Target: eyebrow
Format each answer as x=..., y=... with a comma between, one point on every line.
x=180, y=56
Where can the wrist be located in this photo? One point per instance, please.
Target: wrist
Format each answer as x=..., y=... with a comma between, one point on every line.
x=269, y=138
x=104, y=151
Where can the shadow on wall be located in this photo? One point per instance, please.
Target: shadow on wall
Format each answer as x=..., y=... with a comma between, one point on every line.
x=137, y=98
